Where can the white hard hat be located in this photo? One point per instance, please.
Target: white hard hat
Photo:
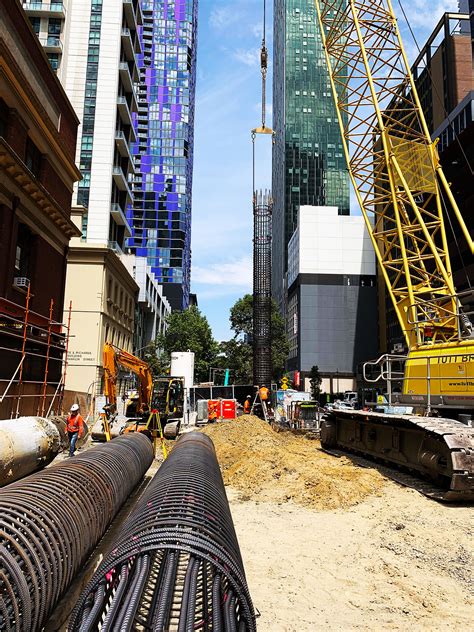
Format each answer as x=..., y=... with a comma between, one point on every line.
x=74, y=408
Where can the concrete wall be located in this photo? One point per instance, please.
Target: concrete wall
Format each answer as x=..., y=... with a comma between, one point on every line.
x=332, y=295
x=338, y=327
x=328, y=243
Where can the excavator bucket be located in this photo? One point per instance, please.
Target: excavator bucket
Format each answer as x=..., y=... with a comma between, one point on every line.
x=171, y=429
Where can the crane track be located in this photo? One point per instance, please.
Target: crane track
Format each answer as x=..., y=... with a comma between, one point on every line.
x=439, y=451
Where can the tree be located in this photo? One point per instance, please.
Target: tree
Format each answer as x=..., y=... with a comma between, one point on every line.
x=190, y=331
x=315, y=380
x=238, y=351
x=157, y=358
x=238, y=358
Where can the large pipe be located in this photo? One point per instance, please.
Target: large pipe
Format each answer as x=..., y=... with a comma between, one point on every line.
x=176, y=563
x=26, y=444
x=51, y=521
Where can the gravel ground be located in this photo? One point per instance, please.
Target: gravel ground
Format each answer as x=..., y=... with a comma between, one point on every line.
x=393, y=562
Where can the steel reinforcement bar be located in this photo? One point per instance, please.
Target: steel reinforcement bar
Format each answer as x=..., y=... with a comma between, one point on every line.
x=176, y=564
x=51, y=521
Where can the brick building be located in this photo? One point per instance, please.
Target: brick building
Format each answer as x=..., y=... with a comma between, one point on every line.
x=38, y=129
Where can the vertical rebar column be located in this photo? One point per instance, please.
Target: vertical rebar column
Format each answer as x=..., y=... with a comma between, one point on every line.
x=262, y=288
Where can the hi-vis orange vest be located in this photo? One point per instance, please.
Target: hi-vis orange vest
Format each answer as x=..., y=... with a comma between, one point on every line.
x=75, y=424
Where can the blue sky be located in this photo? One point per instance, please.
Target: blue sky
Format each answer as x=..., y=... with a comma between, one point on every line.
x=227, y=108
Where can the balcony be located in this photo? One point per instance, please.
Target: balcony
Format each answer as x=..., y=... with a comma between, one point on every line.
x=51, y=44
x=139, y=13
x=127, y=82
x=120, y=219
x=45, y=9
x=124, y=148
x=124, y=111
x=129, y=12
x=115, y=246
x=128, y=46
x=120, y=180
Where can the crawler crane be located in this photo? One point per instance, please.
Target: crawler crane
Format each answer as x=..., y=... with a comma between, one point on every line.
x=403, y=195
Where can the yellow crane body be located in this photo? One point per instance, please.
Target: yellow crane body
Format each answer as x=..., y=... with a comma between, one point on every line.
x=398, y=181
x=403, y=195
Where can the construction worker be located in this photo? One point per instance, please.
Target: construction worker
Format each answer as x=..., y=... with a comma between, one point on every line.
x=212, y=410
x=74, y=427
x=248, y=405
x=263, y=390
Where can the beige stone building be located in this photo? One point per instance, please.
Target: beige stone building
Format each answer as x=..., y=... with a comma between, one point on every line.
x=103, y=296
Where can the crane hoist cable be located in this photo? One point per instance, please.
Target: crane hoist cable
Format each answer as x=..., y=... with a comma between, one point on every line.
x=263, y=129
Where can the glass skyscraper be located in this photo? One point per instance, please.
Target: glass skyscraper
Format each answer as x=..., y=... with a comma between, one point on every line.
x=309, y=167
x=160, y=216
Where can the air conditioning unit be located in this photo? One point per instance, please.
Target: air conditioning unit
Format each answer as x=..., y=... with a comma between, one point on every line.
x=21, y=282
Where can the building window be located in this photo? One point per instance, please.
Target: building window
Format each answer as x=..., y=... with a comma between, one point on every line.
x=54, y=61
x=54, y=27
x=36, y=25
x=18, y=259
x=84, y=227
x=3, y=117
x=32, y=157
x=23, y=250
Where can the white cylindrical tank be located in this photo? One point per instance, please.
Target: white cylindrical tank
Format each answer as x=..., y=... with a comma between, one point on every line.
x=26, y=445
x=182, y=365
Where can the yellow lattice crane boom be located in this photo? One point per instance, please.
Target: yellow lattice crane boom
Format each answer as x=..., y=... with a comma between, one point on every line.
x=399, y=184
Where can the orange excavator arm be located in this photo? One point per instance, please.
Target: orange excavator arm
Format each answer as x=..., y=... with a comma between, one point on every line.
x=112, y=359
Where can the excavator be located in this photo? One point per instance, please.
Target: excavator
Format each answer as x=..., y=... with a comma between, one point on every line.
x=166, y=397
x=404, y=197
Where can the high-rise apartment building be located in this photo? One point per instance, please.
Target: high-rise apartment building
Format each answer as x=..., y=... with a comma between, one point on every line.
x=309, y=166
x=160, y=216
x=48, y=20
x=114, y=298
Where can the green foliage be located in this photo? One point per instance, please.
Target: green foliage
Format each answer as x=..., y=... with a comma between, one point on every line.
x=238, y=351
x=238, y=358
x=241, y=316
x=315, y=380
x=158, y=359
x=190, y=331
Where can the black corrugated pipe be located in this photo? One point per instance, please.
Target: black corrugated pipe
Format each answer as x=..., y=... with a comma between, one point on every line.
x=51, y=521
x=177, y=556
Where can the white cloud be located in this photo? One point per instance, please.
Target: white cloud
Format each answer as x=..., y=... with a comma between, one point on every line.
x=257, y=30
x=425, y=14
x=231, y=274
x=268, y=108
x=248, y=56
x=222, y=17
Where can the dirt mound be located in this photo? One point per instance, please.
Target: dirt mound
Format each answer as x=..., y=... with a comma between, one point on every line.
x=278, y=466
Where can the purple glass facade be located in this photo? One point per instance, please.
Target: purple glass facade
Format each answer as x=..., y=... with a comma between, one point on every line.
x=161, y=214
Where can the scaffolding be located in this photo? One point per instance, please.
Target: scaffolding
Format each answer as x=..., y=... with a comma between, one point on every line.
x=262, y=288
x=35, y=348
